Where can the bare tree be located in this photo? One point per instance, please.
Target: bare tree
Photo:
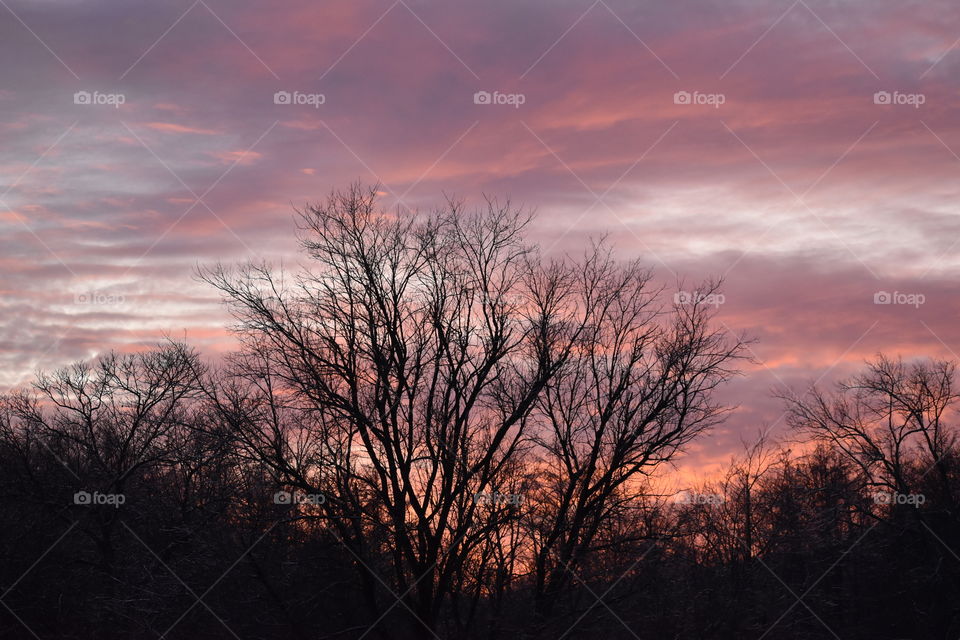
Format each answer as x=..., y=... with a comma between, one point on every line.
x=884, y=418
x=112, y=426
x=637, y=388
x=407, y=375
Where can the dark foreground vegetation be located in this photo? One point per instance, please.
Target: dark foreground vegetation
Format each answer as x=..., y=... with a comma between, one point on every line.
x=434, y=432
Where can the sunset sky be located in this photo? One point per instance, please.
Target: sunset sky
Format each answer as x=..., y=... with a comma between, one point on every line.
x=742, y=140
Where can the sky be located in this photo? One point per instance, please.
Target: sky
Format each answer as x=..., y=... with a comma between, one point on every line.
x=806, y=152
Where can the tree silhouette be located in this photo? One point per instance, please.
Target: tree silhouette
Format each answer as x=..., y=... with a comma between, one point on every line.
x=430, y=430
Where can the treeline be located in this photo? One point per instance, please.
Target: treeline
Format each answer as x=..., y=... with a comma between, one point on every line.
x=435, y=432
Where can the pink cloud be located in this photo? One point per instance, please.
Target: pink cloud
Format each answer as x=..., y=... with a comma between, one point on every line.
x=169, y=127
x=239, y=157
